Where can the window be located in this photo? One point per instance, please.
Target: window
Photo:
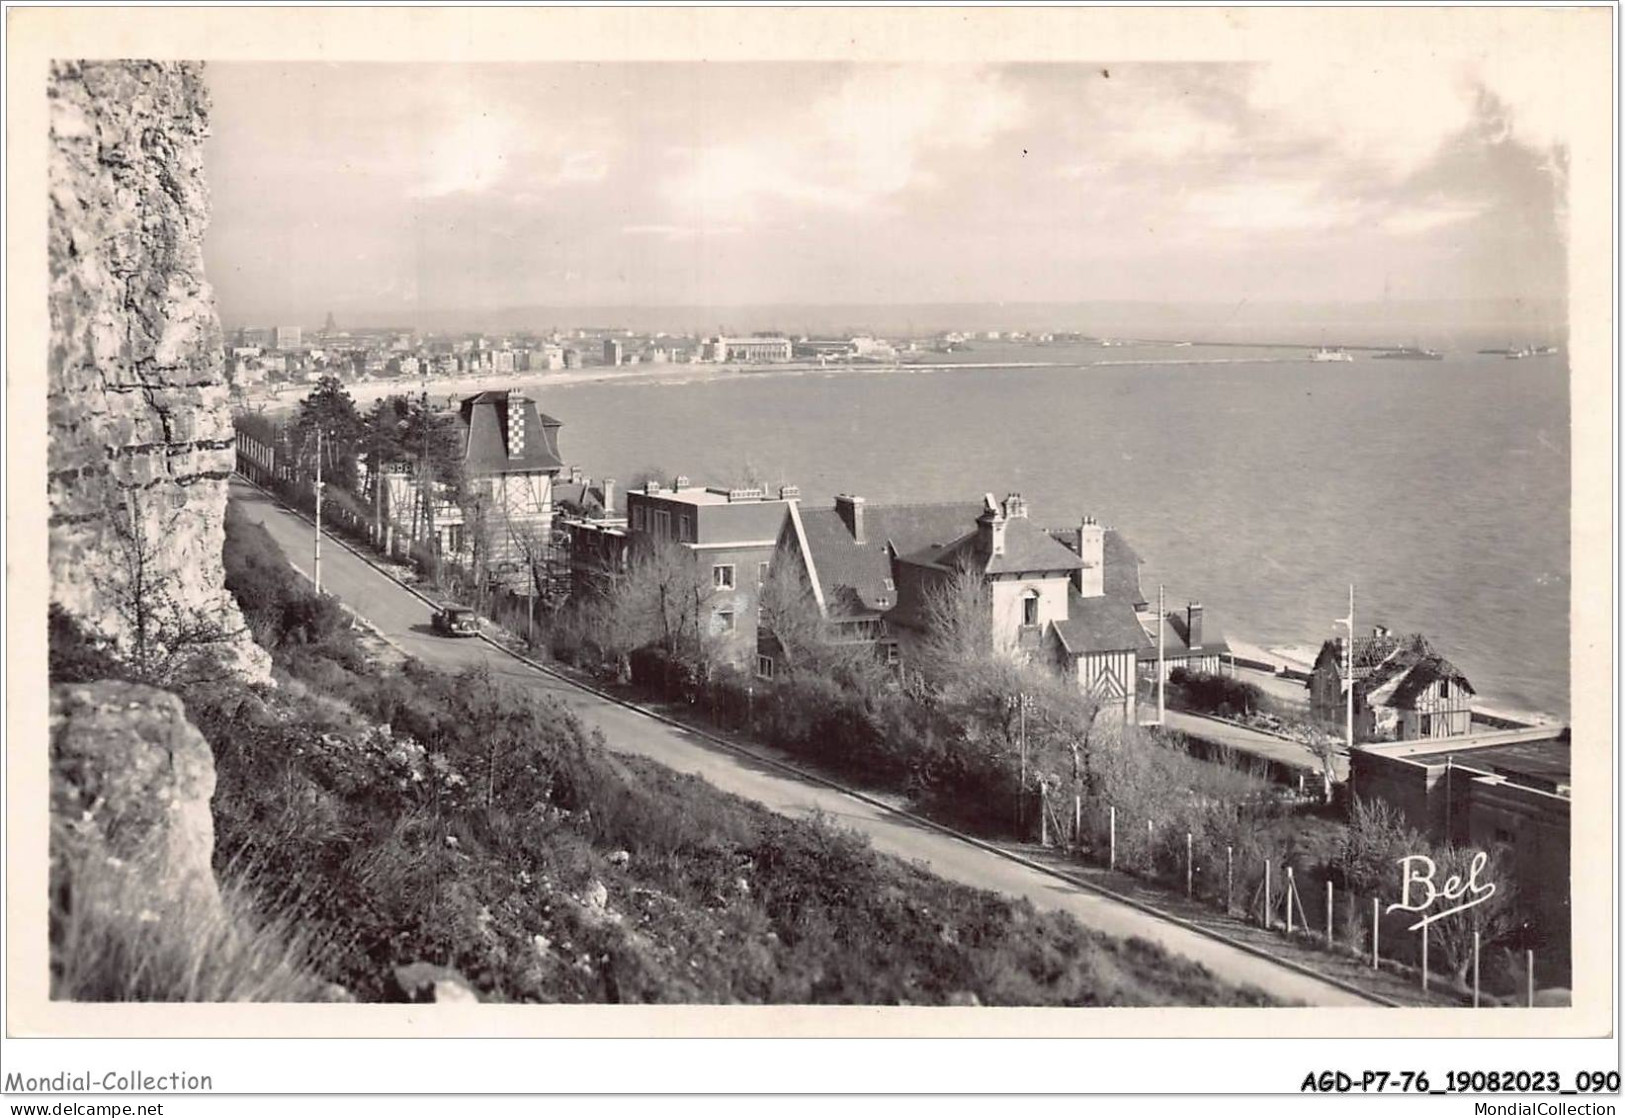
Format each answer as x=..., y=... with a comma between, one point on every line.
x=637, y=518
x=1444, y=689
x=1427, y=725
x=764, y=667
x=722, y=576
x=1029, y=608
x=685, y=528
x=761, y=572
x=725, y=621
x=454, y=538
x=892, y=655
x=662, y=524
x=888, y=584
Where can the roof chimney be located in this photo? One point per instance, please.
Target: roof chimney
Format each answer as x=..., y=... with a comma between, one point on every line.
x=575, y=474
x=1091, y=580
x=516, y=423
x=1193, y=626
x=990, y=527
x=1015, y=506
x=609, y=496
x=789, y=492
x=850, y=510
x=681, y=482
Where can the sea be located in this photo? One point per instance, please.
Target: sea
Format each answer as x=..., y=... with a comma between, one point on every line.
x=1251, y=479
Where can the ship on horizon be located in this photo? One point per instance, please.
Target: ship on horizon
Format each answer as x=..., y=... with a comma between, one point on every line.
x=1325, y=354
x=1408, y=353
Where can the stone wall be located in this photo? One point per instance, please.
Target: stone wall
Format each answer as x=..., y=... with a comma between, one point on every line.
x=138, y=414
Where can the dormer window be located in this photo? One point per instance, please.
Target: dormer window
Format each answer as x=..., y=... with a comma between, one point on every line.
x=1029, y=608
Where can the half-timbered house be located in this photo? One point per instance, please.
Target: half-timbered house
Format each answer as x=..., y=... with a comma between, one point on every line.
x=1403, y=689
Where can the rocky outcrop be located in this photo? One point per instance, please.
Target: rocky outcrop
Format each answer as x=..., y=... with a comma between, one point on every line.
x=131, y=780
x=138, y=408
x=426, y=982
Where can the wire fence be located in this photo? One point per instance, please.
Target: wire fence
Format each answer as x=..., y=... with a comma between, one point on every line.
x=1294, y=900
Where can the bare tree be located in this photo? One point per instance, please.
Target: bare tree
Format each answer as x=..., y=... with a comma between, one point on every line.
x=163, y=639
x=1494, y=919
x=958, y=617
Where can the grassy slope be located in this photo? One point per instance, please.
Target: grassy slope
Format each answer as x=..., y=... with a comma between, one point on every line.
x=412, y=815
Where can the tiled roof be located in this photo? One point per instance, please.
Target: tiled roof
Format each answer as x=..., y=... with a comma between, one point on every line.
x=1177, y=641
x=1027, y=547
x=1121, y=576
x=485, y=423
x=1105, y=624
x=581, y=494
x=863, y=569
x=1420, y=672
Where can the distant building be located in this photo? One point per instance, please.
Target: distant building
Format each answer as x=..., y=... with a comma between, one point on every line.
x=1403, y=689
x=749, y=350
x=288, y=337
x=612, y=351
x=572, y=358
x=732, y=535
x=257, y=337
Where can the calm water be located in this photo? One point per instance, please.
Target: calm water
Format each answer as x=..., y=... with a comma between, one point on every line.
x=1260, y=487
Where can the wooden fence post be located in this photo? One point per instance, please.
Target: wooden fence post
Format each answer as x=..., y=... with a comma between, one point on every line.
x=1475, y=968
x=1112, y=857
x=1188, y=869
x=1229, y=879
x=1267, y=914
x=1424, y=956
x=1376, y=929
x=1529, y=966
x=1328, y=912
x=1291, y=890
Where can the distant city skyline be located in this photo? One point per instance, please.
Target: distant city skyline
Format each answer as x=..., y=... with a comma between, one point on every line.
x=383, y=192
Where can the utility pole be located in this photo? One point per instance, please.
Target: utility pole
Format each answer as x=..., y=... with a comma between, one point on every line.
x=1162, y=667
x=1021, y=716
x=317, y=578
x=1348, y=671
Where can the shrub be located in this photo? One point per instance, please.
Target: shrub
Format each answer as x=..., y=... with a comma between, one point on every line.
x=1216, y=694
x=113, y=940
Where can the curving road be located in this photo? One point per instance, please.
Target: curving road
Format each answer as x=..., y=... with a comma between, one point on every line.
x=404, y=619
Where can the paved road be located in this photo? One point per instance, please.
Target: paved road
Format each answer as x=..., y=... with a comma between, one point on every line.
x=404, y=618
x=1256, y=742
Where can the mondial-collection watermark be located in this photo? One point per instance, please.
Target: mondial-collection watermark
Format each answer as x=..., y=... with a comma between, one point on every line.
x=1543, y=1109
x=86, y=1082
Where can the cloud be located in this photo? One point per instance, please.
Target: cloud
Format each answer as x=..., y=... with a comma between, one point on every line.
x=1411, y=220
x=479, y=135
x=1390, y=114
x=869, y=140
x=1267, y=206
x=678, y=232
x=467, y=154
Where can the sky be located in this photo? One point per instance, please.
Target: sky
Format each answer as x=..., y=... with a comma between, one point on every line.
x=381, y=189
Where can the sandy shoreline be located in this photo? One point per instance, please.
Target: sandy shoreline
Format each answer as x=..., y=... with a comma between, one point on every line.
x=451, y=387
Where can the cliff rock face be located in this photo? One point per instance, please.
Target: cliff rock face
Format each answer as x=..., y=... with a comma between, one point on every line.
x=131, y=780
x=140, y=431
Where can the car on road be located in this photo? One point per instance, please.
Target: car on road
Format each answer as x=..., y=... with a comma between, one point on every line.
x=456, y=621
